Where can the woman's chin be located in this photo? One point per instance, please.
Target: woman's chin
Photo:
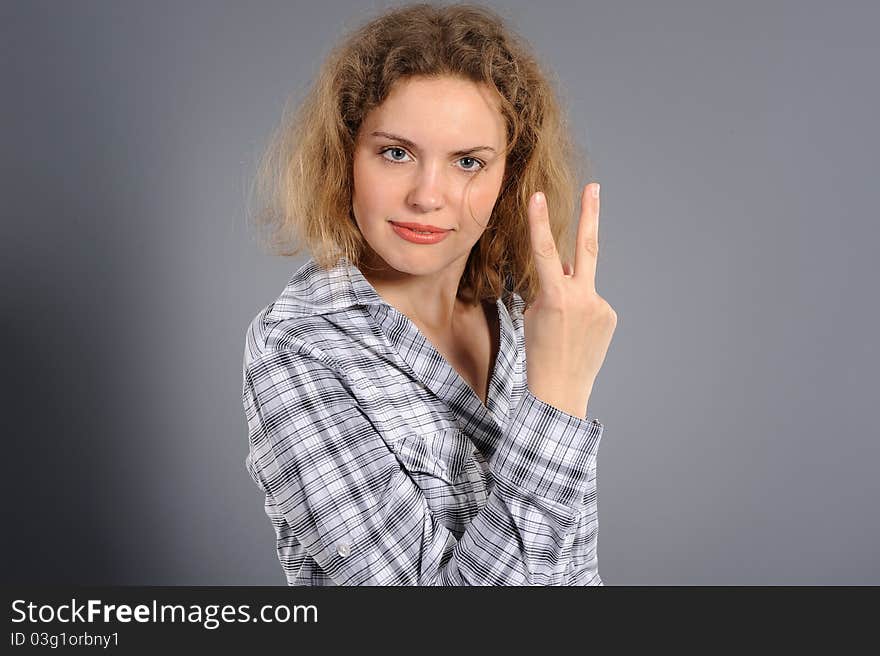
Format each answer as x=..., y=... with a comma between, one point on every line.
x=413, y=264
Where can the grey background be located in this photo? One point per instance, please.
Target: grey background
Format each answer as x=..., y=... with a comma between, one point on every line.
x=736, y=144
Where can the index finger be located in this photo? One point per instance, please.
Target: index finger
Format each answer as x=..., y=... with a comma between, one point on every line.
x=587, y=251
x=546, y=255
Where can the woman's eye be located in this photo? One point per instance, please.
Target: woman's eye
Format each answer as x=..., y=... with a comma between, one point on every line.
x=475, y=161
x=394, y=150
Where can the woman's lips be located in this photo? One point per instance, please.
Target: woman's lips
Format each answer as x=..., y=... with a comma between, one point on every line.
x=417, y=237
x=419, y=227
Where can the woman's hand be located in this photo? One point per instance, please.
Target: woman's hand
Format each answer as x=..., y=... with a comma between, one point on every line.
x=569, y=326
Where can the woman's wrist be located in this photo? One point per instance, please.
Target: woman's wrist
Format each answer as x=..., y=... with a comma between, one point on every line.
x=571, y=403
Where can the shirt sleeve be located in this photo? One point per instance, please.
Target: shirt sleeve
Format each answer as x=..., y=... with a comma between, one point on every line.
x=362, y=518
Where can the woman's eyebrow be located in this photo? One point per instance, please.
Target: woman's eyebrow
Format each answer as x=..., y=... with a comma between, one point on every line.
x=411, y=144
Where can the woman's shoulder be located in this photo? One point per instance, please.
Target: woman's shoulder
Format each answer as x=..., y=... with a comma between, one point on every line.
x=317, y=312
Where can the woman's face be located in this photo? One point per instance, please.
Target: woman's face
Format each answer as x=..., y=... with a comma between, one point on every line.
x=430, y=154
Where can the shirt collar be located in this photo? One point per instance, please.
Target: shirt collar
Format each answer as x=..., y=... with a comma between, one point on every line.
x=314, y=290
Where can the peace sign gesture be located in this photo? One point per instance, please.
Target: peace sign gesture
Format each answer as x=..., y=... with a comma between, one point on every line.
x=569, y=326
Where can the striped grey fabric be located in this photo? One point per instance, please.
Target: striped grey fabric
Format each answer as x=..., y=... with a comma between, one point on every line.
x=381, y=466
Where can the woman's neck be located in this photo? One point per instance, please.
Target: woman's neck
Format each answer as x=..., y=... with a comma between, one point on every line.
x=431, y=301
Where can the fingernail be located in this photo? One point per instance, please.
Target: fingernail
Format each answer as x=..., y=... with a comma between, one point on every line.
x=596, y=191
x=539, y=199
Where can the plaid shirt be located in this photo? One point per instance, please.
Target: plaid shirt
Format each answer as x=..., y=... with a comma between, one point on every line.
x=381, y=466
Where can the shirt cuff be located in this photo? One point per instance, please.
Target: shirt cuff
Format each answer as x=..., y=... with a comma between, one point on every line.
x=547, y=451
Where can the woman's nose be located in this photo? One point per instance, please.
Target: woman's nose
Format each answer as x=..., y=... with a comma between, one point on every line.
x=428, y=190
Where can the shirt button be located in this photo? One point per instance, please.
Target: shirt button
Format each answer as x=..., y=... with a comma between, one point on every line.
x=343, y=549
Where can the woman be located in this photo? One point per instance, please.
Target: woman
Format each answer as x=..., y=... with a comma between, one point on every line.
x=392, y=426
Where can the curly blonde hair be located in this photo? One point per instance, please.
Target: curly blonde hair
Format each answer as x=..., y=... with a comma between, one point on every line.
x=304, y=182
